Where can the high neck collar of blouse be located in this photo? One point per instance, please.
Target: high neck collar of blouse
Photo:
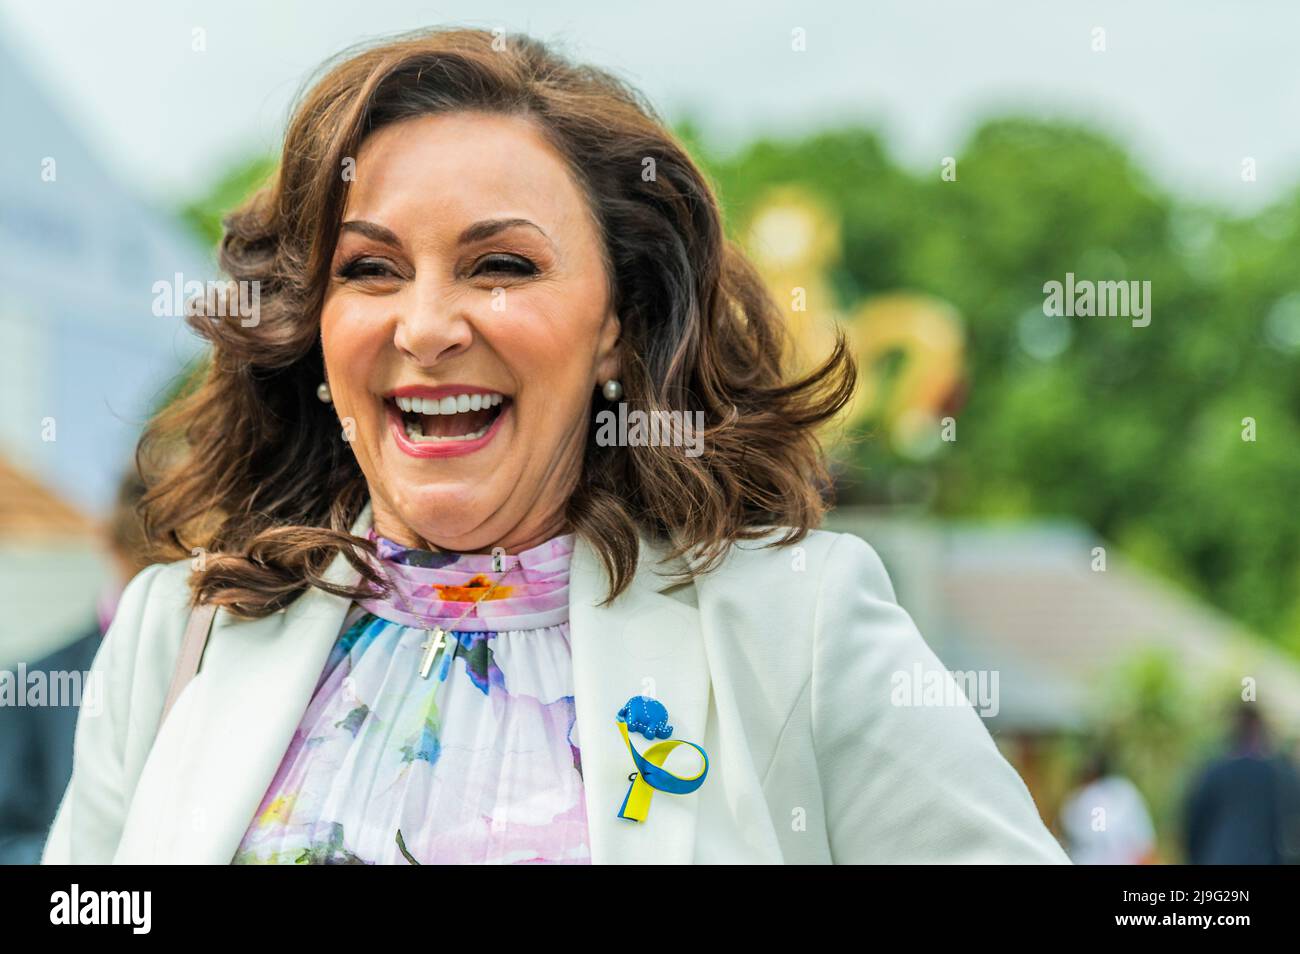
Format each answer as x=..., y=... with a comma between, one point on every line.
x=441, y=588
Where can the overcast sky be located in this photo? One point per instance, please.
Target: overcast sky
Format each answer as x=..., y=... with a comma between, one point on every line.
x=1192, y=87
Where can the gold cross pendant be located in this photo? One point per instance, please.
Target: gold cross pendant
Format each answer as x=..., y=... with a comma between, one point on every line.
x=437, y=640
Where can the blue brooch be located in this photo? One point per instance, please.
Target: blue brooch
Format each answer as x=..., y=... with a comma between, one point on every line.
x=650, y=717
x=647, y=716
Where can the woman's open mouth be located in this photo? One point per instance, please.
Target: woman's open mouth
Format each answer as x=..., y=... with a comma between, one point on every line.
x=449, y=423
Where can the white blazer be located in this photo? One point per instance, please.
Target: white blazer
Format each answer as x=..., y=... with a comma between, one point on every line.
x=779, y=664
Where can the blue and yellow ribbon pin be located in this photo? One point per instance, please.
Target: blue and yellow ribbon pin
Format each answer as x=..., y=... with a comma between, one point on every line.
x=649, y=717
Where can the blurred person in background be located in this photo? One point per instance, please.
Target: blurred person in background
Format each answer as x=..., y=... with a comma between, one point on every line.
x=1105, y=820
x=36, y=740
x=1244, y=806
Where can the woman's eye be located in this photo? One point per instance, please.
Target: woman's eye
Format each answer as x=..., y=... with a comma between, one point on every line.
x=501, y=264
x=365, y=268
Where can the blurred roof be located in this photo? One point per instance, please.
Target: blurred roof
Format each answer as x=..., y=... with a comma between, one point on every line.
x=51, y=568
x=1032, y=589
x=1023, y=599
x=31, y=511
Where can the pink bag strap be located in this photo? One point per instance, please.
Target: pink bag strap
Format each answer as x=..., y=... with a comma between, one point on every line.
x=193, y=643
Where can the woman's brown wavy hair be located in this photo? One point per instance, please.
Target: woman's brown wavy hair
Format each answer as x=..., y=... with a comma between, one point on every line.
x=260, y=482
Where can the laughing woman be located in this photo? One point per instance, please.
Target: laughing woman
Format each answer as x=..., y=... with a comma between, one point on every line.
x=419, y=613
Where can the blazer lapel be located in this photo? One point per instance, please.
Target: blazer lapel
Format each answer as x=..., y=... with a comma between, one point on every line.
x=645, y=643
x=220, y=747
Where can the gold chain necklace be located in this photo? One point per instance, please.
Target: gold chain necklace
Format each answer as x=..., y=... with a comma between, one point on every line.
x=439, y=638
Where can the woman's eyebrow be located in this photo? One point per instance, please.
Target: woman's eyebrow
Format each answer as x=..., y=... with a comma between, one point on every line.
x=474, y=233
x=372, y=230
x=490, y=227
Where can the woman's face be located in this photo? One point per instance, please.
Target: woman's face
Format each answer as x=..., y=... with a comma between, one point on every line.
x=466, y=327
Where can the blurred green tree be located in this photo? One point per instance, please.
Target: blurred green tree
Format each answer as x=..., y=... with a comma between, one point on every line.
x=1135, y=431
x=204, y=214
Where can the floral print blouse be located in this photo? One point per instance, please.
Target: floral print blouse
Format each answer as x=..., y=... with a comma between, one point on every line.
x=477, y=763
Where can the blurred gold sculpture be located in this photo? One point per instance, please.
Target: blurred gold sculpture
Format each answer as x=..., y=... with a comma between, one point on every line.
x=794, y=240
x=910, y=350
x=910, y=347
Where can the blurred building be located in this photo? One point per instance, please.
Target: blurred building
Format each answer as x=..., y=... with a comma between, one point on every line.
x=82, y=355
x=80, y=346
x=1024, y=600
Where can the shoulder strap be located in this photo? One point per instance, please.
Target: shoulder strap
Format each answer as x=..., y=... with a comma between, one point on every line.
x=193, y=643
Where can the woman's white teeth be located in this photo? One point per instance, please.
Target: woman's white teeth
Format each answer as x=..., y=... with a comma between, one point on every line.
x=448, y=405
x=416, y=433
x=459, y=404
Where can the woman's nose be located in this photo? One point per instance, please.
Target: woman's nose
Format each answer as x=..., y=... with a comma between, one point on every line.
x=432, y=325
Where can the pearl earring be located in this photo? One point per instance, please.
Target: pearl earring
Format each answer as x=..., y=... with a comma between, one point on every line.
x=323, y=392
x=613, y=389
